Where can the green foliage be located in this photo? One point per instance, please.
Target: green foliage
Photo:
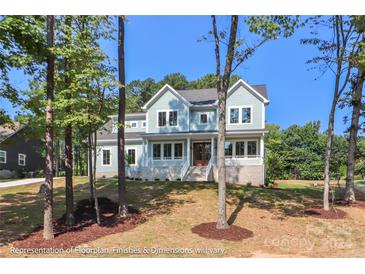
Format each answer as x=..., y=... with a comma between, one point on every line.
x=22, y=46
x=297, y=152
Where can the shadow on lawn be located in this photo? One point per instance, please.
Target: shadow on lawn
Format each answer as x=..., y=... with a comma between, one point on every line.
x=21, y=213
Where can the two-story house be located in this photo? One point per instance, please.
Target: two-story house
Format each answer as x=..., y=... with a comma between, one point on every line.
x=175, y=138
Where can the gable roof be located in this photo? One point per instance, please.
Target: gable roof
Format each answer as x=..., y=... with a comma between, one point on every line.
x=161, y=92
x=8, y=130
x=209, y=96
x=260, y=91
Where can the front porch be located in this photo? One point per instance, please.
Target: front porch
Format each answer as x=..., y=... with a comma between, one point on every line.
x=193, y=157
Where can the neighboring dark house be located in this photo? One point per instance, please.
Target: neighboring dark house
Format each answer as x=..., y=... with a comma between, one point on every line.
x=19, y=152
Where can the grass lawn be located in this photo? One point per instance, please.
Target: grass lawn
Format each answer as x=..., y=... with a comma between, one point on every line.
x=275, y=216
x=8, y=180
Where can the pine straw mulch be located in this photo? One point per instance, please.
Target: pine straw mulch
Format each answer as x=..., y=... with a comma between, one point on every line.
x=319, y=212
x=233, y=233
x=85, y=229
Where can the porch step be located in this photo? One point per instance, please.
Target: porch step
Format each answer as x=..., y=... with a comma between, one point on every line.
x=196, y=174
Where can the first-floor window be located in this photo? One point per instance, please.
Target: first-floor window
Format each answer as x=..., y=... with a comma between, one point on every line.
x=167, y=153
x=162, y=119
x=21, y=159
x=228, y=149
x=240, y=149
x=106, y=157
x=246, y=115
x=251, y=149
x=156, y=151
x=178, y=152
x=131, y=156
x=2, y=156
x=233, y=115
x=173, y=118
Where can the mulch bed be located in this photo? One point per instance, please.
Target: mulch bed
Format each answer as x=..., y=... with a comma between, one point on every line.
x=85, y=229
x=358, y=204
x=233, y=233
x=318, y=212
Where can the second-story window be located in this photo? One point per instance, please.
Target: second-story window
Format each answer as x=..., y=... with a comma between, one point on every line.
x=144, y=123
x=162, y=119
x=203, y=118
x=246, y=115
x=167, y=118
x=233, y=115
x=133, y=124
x=173, y=118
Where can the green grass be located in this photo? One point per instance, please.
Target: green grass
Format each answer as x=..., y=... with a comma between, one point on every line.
x=8, y=180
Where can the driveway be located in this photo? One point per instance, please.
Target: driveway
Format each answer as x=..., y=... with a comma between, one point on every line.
x=21, y=182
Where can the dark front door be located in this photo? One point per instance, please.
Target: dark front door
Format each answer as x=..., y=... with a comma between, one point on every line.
x=201, y=154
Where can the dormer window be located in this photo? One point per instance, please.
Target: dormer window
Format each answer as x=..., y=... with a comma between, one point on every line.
x=167, y=118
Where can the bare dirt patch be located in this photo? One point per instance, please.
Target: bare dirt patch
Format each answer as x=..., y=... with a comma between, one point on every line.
x=85, y=229
x=318, y=212
x=233, y=233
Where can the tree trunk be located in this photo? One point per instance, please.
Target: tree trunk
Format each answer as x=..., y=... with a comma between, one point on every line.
x=90, y=165
x=357, y=105
x=327, y=156
x=68, y=176
x=57, y=160
x=222, y=88
x=97, y=211
x=122, y=208
x=48, y=182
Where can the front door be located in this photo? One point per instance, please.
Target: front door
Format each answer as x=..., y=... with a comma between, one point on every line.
x=201, y=154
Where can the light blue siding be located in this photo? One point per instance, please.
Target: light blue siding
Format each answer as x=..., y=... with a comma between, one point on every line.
x=242, y=97
x=195, y=124
x=113, y=167
x=168, y=101
x=128, y=128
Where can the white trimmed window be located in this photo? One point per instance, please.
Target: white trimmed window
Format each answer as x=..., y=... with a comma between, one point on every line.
x=178, y=151
x=240, y=115
x=156, y=151
x=21, y=159
x=133, y=124
x=228, y=149
x=234, y=115
x=246, y=115
x=106, y=157
x=241, y=149
x=203, y=119
x=2, y=156
x=144, y=124
x=167, y=118
x=131, y=156
x=252, y=149
x=167, y=151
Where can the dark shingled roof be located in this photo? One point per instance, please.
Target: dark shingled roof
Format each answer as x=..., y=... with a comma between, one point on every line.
x=106, y=133
x=209, y=95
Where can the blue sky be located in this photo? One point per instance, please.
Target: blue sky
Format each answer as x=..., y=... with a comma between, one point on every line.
x=158, y=45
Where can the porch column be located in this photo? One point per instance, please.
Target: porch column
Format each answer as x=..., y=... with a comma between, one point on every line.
x=212, y=150
x=188, y=151
x=262, y=148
